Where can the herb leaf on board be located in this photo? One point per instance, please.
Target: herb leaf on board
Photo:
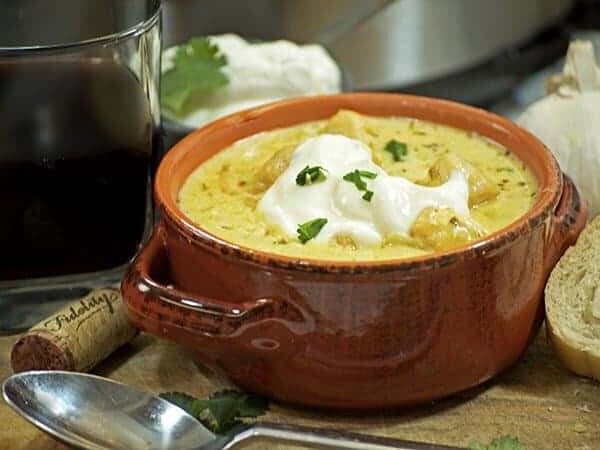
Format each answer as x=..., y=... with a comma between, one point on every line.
x=222, y=410
x=502, y=443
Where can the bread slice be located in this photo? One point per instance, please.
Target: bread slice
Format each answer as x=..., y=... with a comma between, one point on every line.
x=572, y=298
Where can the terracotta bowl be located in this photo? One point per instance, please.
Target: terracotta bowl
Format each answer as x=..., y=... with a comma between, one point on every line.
x=351, y=335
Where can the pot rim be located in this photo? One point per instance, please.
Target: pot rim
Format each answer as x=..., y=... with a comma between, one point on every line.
x=548, y=194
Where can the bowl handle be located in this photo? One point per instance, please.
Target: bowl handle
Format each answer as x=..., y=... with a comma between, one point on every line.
x=567, y=221
x=154, y=307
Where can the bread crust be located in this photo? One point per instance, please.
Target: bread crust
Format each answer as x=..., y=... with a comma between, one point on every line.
x=567, y=305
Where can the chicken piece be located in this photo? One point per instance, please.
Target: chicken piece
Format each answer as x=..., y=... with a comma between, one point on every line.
x=347, y=123
x=275, y=166
x=352, y=125
x=441, y=229
x=480, y=188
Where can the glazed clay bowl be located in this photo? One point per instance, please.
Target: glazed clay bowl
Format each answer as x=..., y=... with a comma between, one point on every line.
x=351, y=335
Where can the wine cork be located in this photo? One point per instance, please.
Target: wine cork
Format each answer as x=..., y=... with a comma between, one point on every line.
x=77, y=337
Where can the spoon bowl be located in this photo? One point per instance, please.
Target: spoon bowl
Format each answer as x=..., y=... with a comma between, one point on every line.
x=92, y=412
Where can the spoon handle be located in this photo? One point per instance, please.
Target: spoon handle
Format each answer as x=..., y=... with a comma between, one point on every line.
x=320, y=438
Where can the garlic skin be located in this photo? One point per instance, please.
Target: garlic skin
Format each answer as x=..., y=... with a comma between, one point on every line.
x=567, y=121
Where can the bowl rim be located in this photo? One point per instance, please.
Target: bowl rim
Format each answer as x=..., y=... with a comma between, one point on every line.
x=547, y=196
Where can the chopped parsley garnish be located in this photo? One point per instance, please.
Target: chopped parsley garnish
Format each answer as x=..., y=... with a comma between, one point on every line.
x=367, y=174
x=196, y=70
x=221, y=411
x=310, y=175
x=356, y=177
x=308, y=230
x=368, y=195
x=397, y=149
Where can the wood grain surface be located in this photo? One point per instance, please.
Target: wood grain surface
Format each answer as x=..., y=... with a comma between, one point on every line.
x=537, y=400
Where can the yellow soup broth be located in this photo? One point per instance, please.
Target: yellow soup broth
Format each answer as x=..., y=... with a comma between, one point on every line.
x=221, y=195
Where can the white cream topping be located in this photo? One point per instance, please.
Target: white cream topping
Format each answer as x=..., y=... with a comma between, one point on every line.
x=395, y=204
x=263, y=72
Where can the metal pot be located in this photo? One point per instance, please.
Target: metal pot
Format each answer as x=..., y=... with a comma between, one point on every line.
x=300, y=20
x=414, y=41
x=383, y=47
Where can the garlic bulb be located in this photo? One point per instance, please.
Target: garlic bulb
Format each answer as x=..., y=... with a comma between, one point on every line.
x=567, y=120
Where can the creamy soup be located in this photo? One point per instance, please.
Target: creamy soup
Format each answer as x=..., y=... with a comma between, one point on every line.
x=358, y=188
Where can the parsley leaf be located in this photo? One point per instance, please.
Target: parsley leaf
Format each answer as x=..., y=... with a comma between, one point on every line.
x=502, y=443
x=186, y=402
x=397, y=149
x=196, y=71
x=310, y=175
x=222, y=410
x=356, y=177
x=308, y=230
x=367, y=174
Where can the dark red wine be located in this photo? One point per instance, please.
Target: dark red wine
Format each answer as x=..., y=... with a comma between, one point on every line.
x=76, y=144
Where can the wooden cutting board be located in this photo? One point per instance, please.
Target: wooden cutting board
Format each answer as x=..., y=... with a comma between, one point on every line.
x=537, y=400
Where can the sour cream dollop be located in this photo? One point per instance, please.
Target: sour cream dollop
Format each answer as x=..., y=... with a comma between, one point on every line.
x=263, y=72
x=394, y=206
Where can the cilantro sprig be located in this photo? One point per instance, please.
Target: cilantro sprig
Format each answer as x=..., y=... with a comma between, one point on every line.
x=356, y=177
x=309, y=230
x=397, y=149
x=196, y=71
x=501, y=443
x=221, y=411
x=310, y=175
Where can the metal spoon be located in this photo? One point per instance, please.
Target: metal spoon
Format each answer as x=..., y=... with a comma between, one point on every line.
x=92, y=412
